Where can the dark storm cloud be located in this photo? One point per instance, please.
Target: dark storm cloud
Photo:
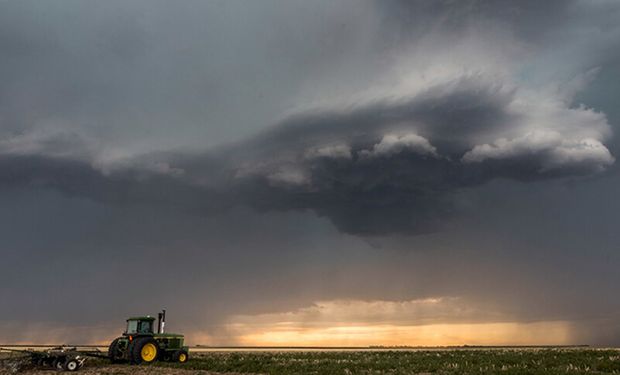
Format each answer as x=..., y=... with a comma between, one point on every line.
x=378, y=168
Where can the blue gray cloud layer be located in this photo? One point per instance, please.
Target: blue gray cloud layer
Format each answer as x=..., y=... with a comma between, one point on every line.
x=274, y=155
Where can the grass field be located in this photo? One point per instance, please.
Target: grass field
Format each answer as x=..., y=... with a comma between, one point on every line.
x=471, y=361
x=449, y=361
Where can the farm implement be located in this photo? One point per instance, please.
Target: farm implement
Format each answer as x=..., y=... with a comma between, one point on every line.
x=59, y=358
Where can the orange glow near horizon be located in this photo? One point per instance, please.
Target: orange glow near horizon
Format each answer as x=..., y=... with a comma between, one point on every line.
x=510, y=333
x=425, y=322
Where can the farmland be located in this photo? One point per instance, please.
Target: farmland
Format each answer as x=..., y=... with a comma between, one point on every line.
x=435, y=361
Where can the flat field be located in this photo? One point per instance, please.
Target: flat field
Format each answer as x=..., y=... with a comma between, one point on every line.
x=432, y=361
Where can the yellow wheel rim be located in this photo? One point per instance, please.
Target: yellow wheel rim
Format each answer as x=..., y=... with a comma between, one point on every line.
x=182, y=357
x=148, y=352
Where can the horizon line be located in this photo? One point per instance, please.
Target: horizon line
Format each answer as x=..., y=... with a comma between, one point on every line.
x=201, y=346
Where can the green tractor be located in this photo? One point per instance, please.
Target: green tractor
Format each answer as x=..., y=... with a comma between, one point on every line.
x=141, y=344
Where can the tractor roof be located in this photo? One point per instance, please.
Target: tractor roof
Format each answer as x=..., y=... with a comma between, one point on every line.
x=141, y=318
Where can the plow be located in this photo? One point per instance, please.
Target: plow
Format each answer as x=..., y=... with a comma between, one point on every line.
x=59, y=358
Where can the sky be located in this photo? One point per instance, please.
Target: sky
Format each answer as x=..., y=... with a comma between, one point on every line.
x=311, y=172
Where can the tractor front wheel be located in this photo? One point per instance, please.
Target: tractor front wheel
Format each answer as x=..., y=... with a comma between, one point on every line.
x=144, y=350
x=181, y=356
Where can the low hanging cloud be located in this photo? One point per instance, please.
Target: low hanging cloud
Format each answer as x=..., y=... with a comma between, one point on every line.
x=393, y=144
x=550, y=147
x=383, y=166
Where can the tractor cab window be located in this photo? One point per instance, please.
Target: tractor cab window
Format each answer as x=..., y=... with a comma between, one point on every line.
x=139, y=326
x=132, y=326
x=146, y=327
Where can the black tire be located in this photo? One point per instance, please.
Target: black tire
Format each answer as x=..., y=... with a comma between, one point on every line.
x=113, y=353
x=180, y=356
x=71, y=364
x=58, y=363
x=136, y=350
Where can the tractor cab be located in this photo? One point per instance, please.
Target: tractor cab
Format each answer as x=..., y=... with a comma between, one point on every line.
x=140, y=325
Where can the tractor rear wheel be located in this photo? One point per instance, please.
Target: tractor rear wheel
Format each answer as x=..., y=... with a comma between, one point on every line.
x=180, y=356
x=144, y=350
x=113, y=352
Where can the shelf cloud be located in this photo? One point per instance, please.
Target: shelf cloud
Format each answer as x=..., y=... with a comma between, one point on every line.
x=387, y=166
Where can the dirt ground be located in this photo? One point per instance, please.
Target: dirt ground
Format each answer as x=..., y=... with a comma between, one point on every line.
x=15, y=365
x=116, y=370
x=482, y=361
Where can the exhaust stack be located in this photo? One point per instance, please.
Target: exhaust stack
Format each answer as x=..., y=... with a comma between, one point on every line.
x=161, y=321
